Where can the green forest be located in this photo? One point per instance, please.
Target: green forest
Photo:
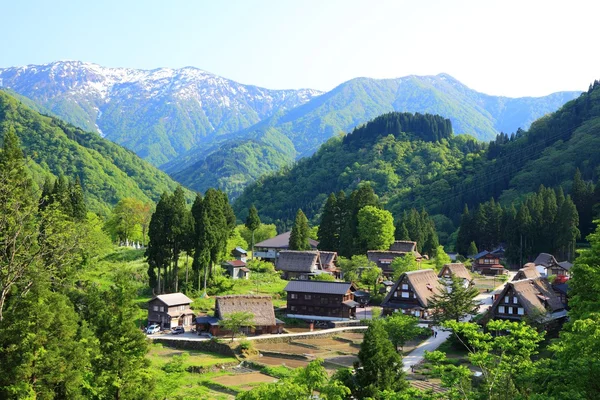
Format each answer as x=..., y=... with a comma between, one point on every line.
x=107, y=171
x=423, y=166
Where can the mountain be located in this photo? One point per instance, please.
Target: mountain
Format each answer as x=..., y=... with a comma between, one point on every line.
x=407, y=170
x=159, y=114
x=356, y=102
x=108, y=172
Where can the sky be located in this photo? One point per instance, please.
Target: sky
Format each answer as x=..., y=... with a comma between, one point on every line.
x=510, y=48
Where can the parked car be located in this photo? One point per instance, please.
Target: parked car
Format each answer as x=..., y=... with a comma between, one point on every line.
x=205, y=334
x=177, y=330
x=152, y=329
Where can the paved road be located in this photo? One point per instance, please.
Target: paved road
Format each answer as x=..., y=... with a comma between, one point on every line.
x=432, y=343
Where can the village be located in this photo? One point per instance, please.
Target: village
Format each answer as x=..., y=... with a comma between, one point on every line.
x=323, y=316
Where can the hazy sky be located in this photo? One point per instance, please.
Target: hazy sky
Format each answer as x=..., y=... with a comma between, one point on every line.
x=513, y=48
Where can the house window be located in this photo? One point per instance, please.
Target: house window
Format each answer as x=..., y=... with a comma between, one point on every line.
x=293, y=296
x=501, y=309
x=417, y=313
x=507, y=299
x=405, y=295
x=509, y=310
x=521, y=311
x=395, y=294
x=515, y=300
x=162, y=309
x=292, y=308
x=155, y=308
x=307, y=297
x=404, y=286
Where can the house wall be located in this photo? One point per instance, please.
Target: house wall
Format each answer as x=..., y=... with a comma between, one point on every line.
x=510, y=307
x=158, y=313
x=325, y=305
x=406, y=301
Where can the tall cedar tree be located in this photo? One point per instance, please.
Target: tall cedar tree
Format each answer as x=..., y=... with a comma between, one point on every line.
x=77, y=201
x=455, y=303
x=329, y=234
x=202, y=239
x=463, y=239
x=582, y=193
x=299, y=235
x=252, y=223
x=420, y=228
x=381, y=365
x=159, y=250
x=181, y=228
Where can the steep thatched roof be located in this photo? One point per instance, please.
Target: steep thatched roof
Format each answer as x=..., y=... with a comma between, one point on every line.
x=405, y=246
x=298, y=261
x=457, y=269
x=260, y=306
x=282, y=242
x=327, y=258
x=534, y=295
x=528, y=272
x=424, y=283
x=383, y=258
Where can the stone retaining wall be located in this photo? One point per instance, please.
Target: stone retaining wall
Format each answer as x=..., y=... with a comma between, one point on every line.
x=212, y=346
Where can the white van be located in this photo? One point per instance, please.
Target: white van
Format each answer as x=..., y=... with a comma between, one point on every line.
x=152, y=329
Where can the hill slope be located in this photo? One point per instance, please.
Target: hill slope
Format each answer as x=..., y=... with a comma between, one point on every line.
x=356, y=102
x=108, y=172
x=158, y=114
x=443, y=175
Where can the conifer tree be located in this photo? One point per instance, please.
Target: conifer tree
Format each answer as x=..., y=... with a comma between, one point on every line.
x=401, y=232
x=181, y=229
x=160, y=234
x=299, y=235
x=381, y=365
x=252, y=223
x=78, y=206
x=329, y=235
x=455, y=303
x=472, y=250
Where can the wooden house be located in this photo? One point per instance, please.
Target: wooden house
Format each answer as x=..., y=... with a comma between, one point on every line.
x=384, y=258
x=269, y=249
x=547, y=265
x=170, y=310
x=412, y=293
x=261, y=307
x=320, y=300
x=529, y=271
x=299, y=264
x=532, y=299
x=562, y=291
x=327, y=261
x=486, y=263
x=236, y=269
x=240, y=254
x=455, y=269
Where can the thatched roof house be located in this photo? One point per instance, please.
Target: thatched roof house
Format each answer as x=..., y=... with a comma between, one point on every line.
x=412, y=293
x=261, y=307
x=299, y=264
x=455, y=269
x=529, y=271
x=532, y=298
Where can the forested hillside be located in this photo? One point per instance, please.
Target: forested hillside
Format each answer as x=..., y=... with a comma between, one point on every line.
x=441, y=175
x=353, y=103
x=394, y=153
x=107, y=171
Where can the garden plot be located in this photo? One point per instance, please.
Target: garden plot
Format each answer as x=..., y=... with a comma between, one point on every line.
x=285, y=348
x=243, y=379
x=354, y=336
x=274, y=361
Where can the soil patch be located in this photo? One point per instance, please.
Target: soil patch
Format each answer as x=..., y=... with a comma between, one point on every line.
x=243, y=379
x=343, y=361
x=268, y=360
x=286, y=348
